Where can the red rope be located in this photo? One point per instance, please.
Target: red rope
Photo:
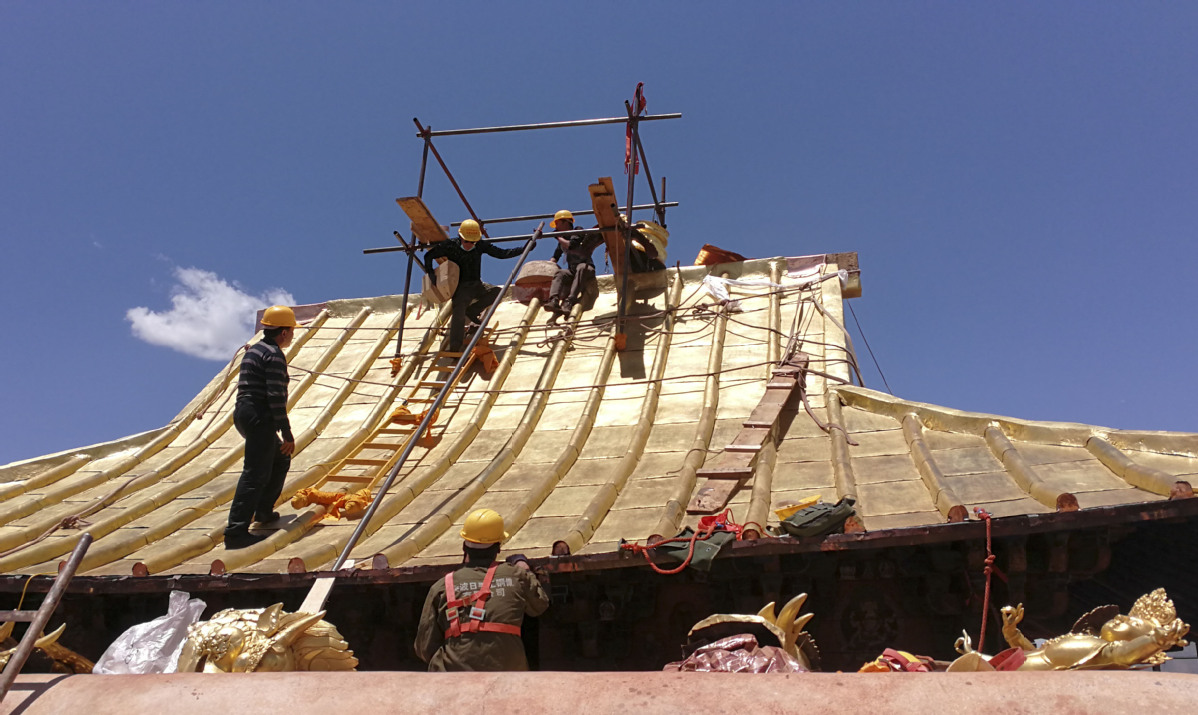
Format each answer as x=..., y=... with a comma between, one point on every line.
x=989, y=569
x=708, y=525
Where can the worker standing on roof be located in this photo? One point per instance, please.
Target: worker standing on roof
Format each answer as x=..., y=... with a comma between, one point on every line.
x=570, y=281
x=472, y=295
x=471, y=619
x=260, y=416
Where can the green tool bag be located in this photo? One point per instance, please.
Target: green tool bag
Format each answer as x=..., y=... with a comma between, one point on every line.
x=705, y=549
x=819, y=519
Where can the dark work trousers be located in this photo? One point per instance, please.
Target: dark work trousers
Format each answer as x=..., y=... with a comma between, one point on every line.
x=265, y=467
x=567, y=286
x=472, y=299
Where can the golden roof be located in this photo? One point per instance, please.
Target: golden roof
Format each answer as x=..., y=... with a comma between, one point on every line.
x=574, y=442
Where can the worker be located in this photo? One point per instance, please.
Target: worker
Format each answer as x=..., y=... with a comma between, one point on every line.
x=472, y=618
x=260, y=415
x=570, y=281
x=472, y=295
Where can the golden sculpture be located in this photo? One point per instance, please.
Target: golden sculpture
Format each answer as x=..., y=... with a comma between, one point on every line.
x=1100, y=640
x=264, y=640
x=64, y=659
x=787, y=627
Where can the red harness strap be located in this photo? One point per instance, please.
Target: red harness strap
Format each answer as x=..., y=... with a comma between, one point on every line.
x=478, y=603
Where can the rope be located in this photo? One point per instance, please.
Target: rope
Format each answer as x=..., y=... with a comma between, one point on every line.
x=708, y=525
x=867, y=347
x=199, y=411
x=989, y=568
x=72, y=521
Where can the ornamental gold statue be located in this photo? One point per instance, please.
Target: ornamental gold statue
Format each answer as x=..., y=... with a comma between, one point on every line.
x=264, y=640
x=1104, y=639
x=786, y=628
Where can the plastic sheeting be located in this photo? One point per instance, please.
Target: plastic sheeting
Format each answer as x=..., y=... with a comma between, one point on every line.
x=153, y=647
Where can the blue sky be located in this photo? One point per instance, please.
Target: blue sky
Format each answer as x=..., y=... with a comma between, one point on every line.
x=1019, y=179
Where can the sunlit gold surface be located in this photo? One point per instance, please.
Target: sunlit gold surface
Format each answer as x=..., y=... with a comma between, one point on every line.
x=571, y=439
x=264, y=640
x=1123, y=641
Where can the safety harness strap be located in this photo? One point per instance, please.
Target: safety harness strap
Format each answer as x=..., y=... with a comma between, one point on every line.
x=477, y=602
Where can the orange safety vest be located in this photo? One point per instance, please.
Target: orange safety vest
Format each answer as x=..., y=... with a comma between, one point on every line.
x=477, y=602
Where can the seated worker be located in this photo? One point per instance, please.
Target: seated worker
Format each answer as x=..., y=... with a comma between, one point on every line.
x=471, y=619
x=472, y=296
x=569, y=282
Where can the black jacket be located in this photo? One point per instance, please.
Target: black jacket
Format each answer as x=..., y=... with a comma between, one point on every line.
x=469, y=262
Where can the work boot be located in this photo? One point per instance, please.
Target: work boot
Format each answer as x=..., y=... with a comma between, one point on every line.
x=240, y=541
x=268, y=518
x=553, y=318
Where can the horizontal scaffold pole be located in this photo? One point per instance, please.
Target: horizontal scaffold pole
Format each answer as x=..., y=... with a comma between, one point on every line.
x=546, y=125
x=500, y=239
x=585, y=212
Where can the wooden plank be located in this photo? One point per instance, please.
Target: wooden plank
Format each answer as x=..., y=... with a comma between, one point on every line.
x=603, y=201
x=8, y=616
x=728, y=470
x=424, y=226
x=725, y=473
x=319, y=593
x=365, y=462
x=712, y=496
x=751, y=437
x=731, y=461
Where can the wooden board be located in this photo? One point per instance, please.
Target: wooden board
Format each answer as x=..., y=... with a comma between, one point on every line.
x=732, y=467
x=424, y=226
x=603, y=201
x=319, y=593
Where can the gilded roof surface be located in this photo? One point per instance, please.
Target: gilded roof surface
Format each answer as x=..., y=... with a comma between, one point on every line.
x=574, y=442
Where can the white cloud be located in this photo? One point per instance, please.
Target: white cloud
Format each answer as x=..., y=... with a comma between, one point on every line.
x=209, y=318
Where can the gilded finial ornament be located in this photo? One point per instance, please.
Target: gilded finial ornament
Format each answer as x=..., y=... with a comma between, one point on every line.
x=1102, y=639
x=264, y=640
x=787, y=627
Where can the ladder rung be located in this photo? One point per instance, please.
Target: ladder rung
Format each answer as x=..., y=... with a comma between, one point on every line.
x=421, y=399
x=446, y=353
x=743, y=448
x=347, y=478
x=381, y=445
x=7, y=616
x=396, y=430
x=366, y=462
x=441, y=368
x=431, y=383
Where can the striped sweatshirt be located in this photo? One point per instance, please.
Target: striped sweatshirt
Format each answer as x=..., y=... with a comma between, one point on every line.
x=263, y=382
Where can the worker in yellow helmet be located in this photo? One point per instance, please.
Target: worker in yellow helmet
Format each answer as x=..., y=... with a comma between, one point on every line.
x=472, y=618
x=570, y=281
x=260, y=415
x=472, y=296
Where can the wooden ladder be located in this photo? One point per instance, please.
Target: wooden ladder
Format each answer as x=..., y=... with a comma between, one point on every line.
x=359, y=471
x=38, y=619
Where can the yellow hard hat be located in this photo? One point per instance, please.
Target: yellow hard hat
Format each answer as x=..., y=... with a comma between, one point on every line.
x=484, y=526
x=279, y=316
x=560, y=215
x=470, y=230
